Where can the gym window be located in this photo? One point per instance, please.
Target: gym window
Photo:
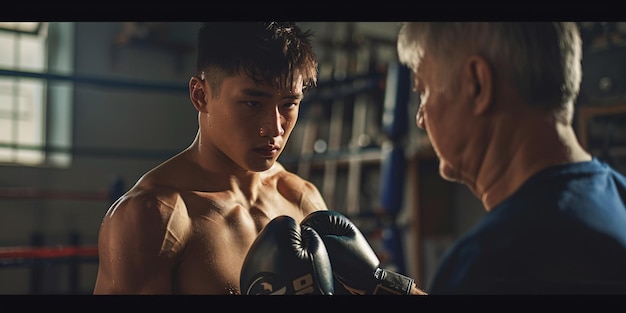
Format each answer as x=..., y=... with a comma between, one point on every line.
x=34, y=112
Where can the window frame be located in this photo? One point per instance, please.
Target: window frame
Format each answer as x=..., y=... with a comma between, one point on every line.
x=55, y=144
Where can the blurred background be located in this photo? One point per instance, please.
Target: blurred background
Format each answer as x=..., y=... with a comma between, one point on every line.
x=86, y=108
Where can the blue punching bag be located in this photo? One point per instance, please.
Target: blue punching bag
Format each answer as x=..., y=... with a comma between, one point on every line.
x=397, y=94
x=392, y=196
x=393, y=169
x=395, y=125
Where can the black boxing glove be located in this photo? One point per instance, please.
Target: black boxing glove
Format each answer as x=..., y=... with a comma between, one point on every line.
x=287, y=259
x=354, y=263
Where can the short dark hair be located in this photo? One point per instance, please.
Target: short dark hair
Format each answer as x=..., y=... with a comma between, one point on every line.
x=272, y=52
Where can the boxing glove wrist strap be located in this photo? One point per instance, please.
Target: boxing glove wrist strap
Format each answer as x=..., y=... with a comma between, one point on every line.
x=390, y=283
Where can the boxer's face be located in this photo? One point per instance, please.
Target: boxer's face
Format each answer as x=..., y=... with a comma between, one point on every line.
x=444, y=113
x=250, y=123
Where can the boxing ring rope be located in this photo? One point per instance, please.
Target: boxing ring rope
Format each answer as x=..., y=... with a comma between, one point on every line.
x=38, y=256
x=109, y=195
x=23, y=256
x=99, y=81
x=323, y=91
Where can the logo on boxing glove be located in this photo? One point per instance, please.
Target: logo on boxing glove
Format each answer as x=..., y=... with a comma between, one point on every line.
x=287, y=259
x=271, y=284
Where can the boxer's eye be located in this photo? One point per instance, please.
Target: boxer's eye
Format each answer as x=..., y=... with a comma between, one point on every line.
x=253, y=104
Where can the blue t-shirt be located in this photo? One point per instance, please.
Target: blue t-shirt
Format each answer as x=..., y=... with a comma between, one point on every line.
x=562, y=232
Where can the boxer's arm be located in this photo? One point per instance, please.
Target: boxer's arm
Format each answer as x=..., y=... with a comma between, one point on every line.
x=135, y=254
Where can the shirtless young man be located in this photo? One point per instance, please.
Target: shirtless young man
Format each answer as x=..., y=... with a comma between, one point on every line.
x=186, y=225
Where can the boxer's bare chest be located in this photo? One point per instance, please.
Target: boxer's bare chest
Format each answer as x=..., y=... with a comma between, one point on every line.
x=224, y=227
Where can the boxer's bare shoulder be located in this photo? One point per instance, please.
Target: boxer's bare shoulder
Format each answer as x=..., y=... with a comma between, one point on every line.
x=297, y=189
x=155, y=211
x=145, y=226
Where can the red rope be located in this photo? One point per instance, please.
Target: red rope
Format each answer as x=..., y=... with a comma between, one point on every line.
x=47, y=252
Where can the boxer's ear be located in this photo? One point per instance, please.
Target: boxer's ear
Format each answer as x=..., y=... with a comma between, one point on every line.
x=198, y=93
x=479, y=76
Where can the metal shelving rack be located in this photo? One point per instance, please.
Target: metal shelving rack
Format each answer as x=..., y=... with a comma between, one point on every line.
x=349, y=140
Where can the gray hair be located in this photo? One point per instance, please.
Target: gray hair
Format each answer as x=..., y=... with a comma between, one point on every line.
x=541, y=59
